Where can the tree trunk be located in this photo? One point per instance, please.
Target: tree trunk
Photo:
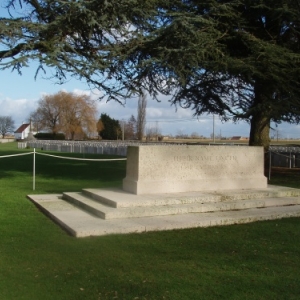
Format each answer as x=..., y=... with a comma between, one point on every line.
x=141, y=117
x=261, y=115
x=261, y=118
x=260, y=130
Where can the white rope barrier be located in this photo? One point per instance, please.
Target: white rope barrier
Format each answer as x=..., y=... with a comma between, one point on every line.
x=56, y=156
x=277, y=153
x=282, y=155
x=76, y=158
x=64, y=157
x=5, y=156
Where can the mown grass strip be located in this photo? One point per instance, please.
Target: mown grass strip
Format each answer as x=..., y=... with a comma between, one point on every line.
x=40, y=261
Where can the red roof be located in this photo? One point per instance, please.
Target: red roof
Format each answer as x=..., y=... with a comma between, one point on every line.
x=22, y=128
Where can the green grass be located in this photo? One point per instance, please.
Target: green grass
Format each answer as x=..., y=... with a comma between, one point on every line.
x=286, y=177
x=38, y=260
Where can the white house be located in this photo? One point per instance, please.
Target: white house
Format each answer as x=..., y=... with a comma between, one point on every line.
x=22, y=132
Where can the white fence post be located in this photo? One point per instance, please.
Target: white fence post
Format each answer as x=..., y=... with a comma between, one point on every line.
x=33, y=169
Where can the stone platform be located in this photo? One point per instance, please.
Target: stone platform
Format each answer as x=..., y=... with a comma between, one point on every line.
x=95, y=212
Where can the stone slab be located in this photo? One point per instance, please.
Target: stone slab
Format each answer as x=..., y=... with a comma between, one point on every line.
x=80, y=223
x=125, y=205
x=107, y=213
x=184, y=168
x=118, y=198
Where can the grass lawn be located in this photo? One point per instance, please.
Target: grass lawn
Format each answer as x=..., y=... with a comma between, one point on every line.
x=38, y=260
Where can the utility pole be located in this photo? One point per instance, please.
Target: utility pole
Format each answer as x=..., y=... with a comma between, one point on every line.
x=123, y=129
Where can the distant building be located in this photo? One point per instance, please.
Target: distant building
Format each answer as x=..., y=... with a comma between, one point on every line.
x=23, y=132
x=239, y=138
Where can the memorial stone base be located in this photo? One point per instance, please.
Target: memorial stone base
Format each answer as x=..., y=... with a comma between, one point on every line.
x=175, y=169
x=175, y=187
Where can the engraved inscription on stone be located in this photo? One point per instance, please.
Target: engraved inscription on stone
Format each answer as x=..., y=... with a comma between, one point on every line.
x=188, y=168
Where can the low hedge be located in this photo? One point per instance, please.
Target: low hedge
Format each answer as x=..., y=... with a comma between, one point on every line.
x=49, y=136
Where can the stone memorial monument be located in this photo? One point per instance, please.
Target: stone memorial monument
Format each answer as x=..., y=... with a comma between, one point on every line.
x=182, y=168
x=172, y=187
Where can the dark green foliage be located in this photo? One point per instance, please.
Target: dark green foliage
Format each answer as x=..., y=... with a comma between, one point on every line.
x=112, y=129
x=81, y=38
x=49, y=136
x=239, y=59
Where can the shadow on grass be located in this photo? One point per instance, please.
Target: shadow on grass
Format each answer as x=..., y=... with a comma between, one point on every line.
x=285, y=177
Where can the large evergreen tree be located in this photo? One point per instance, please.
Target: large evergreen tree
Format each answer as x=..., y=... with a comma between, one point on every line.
x=239, y=59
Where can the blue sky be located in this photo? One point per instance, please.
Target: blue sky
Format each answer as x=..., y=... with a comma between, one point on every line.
x=19, y=96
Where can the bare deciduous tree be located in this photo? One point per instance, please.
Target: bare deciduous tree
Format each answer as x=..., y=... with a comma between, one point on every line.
x=6, y=125
x=141, y=116
x=129, y=128
x=153, y=132
x=36, y=121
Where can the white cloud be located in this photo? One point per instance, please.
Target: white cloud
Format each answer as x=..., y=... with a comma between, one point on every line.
x=18, y=109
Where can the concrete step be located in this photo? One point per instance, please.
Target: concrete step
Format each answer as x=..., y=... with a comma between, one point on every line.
x=118, y=198
x=100, y=211
x=225, y=203
x=86, y=203
x=79, y=223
